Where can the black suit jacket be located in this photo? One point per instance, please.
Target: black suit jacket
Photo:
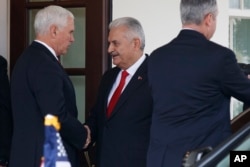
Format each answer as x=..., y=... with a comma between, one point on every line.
x=122, y=140
x=5, y=112
x=192, y=81
x=40, y=86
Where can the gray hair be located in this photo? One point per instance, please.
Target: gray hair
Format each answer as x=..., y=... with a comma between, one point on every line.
x=134, y=27
x=194, y=11
x=51, y=15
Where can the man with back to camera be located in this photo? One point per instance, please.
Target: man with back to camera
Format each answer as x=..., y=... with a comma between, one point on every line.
x=192, y=81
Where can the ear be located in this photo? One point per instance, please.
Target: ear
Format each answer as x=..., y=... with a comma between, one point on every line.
x=209, y=25
x=53, y=30
x=137, y=43
x=209, y=18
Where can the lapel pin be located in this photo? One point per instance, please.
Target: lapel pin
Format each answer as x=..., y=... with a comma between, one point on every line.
x=139, y=78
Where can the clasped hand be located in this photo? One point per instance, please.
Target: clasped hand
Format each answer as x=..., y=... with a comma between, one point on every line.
x=88, y=140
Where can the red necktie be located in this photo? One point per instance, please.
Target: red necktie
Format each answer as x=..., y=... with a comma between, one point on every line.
x=117, y=93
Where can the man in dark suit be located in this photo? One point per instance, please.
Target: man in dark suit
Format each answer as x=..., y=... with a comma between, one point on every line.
x=40, y=86
x=5, y=114
x=192, y=81
x=122, y=136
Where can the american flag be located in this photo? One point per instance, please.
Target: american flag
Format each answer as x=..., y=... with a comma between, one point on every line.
x=54, y=153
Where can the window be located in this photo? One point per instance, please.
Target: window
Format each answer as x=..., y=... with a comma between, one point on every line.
x=239, y=4
x=239, y=39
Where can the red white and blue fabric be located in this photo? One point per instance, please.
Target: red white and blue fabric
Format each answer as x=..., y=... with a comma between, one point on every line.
x=54, y=153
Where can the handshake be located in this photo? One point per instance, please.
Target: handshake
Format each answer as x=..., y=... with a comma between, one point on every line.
x=88, y=140
x=245, y=68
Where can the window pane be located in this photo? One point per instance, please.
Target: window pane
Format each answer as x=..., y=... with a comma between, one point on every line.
x=240, y=44
x=235, y=4
x=32, y=14
x=241, y=39
x=236, y=107
x=79, y=85
x=246, y=4
x=75, y=57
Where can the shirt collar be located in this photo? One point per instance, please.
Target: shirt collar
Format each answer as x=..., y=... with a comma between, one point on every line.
x=132, y=69
x=48, y=47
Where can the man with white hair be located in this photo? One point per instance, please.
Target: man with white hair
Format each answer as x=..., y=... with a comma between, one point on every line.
x=40, y=86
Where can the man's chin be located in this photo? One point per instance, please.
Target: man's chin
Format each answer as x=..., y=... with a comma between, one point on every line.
x=115, y=61
x=64, y=54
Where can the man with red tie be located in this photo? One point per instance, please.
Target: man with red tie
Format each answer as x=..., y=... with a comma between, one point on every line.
x=121, y=118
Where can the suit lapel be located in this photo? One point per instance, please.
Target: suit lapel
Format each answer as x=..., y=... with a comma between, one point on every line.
x=46, y=52
x=136, y=81
x=108, y=83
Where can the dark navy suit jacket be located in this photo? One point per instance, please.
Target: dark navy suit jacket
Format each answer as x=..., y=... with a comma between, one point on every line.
x=5, y=112
x=192, y=81
x=40, y=86
x=122, y=140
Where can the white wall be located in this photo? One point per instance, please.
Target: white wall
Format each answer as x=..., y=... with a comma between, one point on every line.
x=161, y=20
x=4, y=28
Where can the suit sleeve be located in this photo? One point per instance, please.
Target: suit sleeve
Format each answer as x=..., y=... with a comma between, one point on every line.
x=97, y=114
x=5, y=111
x=233, y=80
x=55, y=95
